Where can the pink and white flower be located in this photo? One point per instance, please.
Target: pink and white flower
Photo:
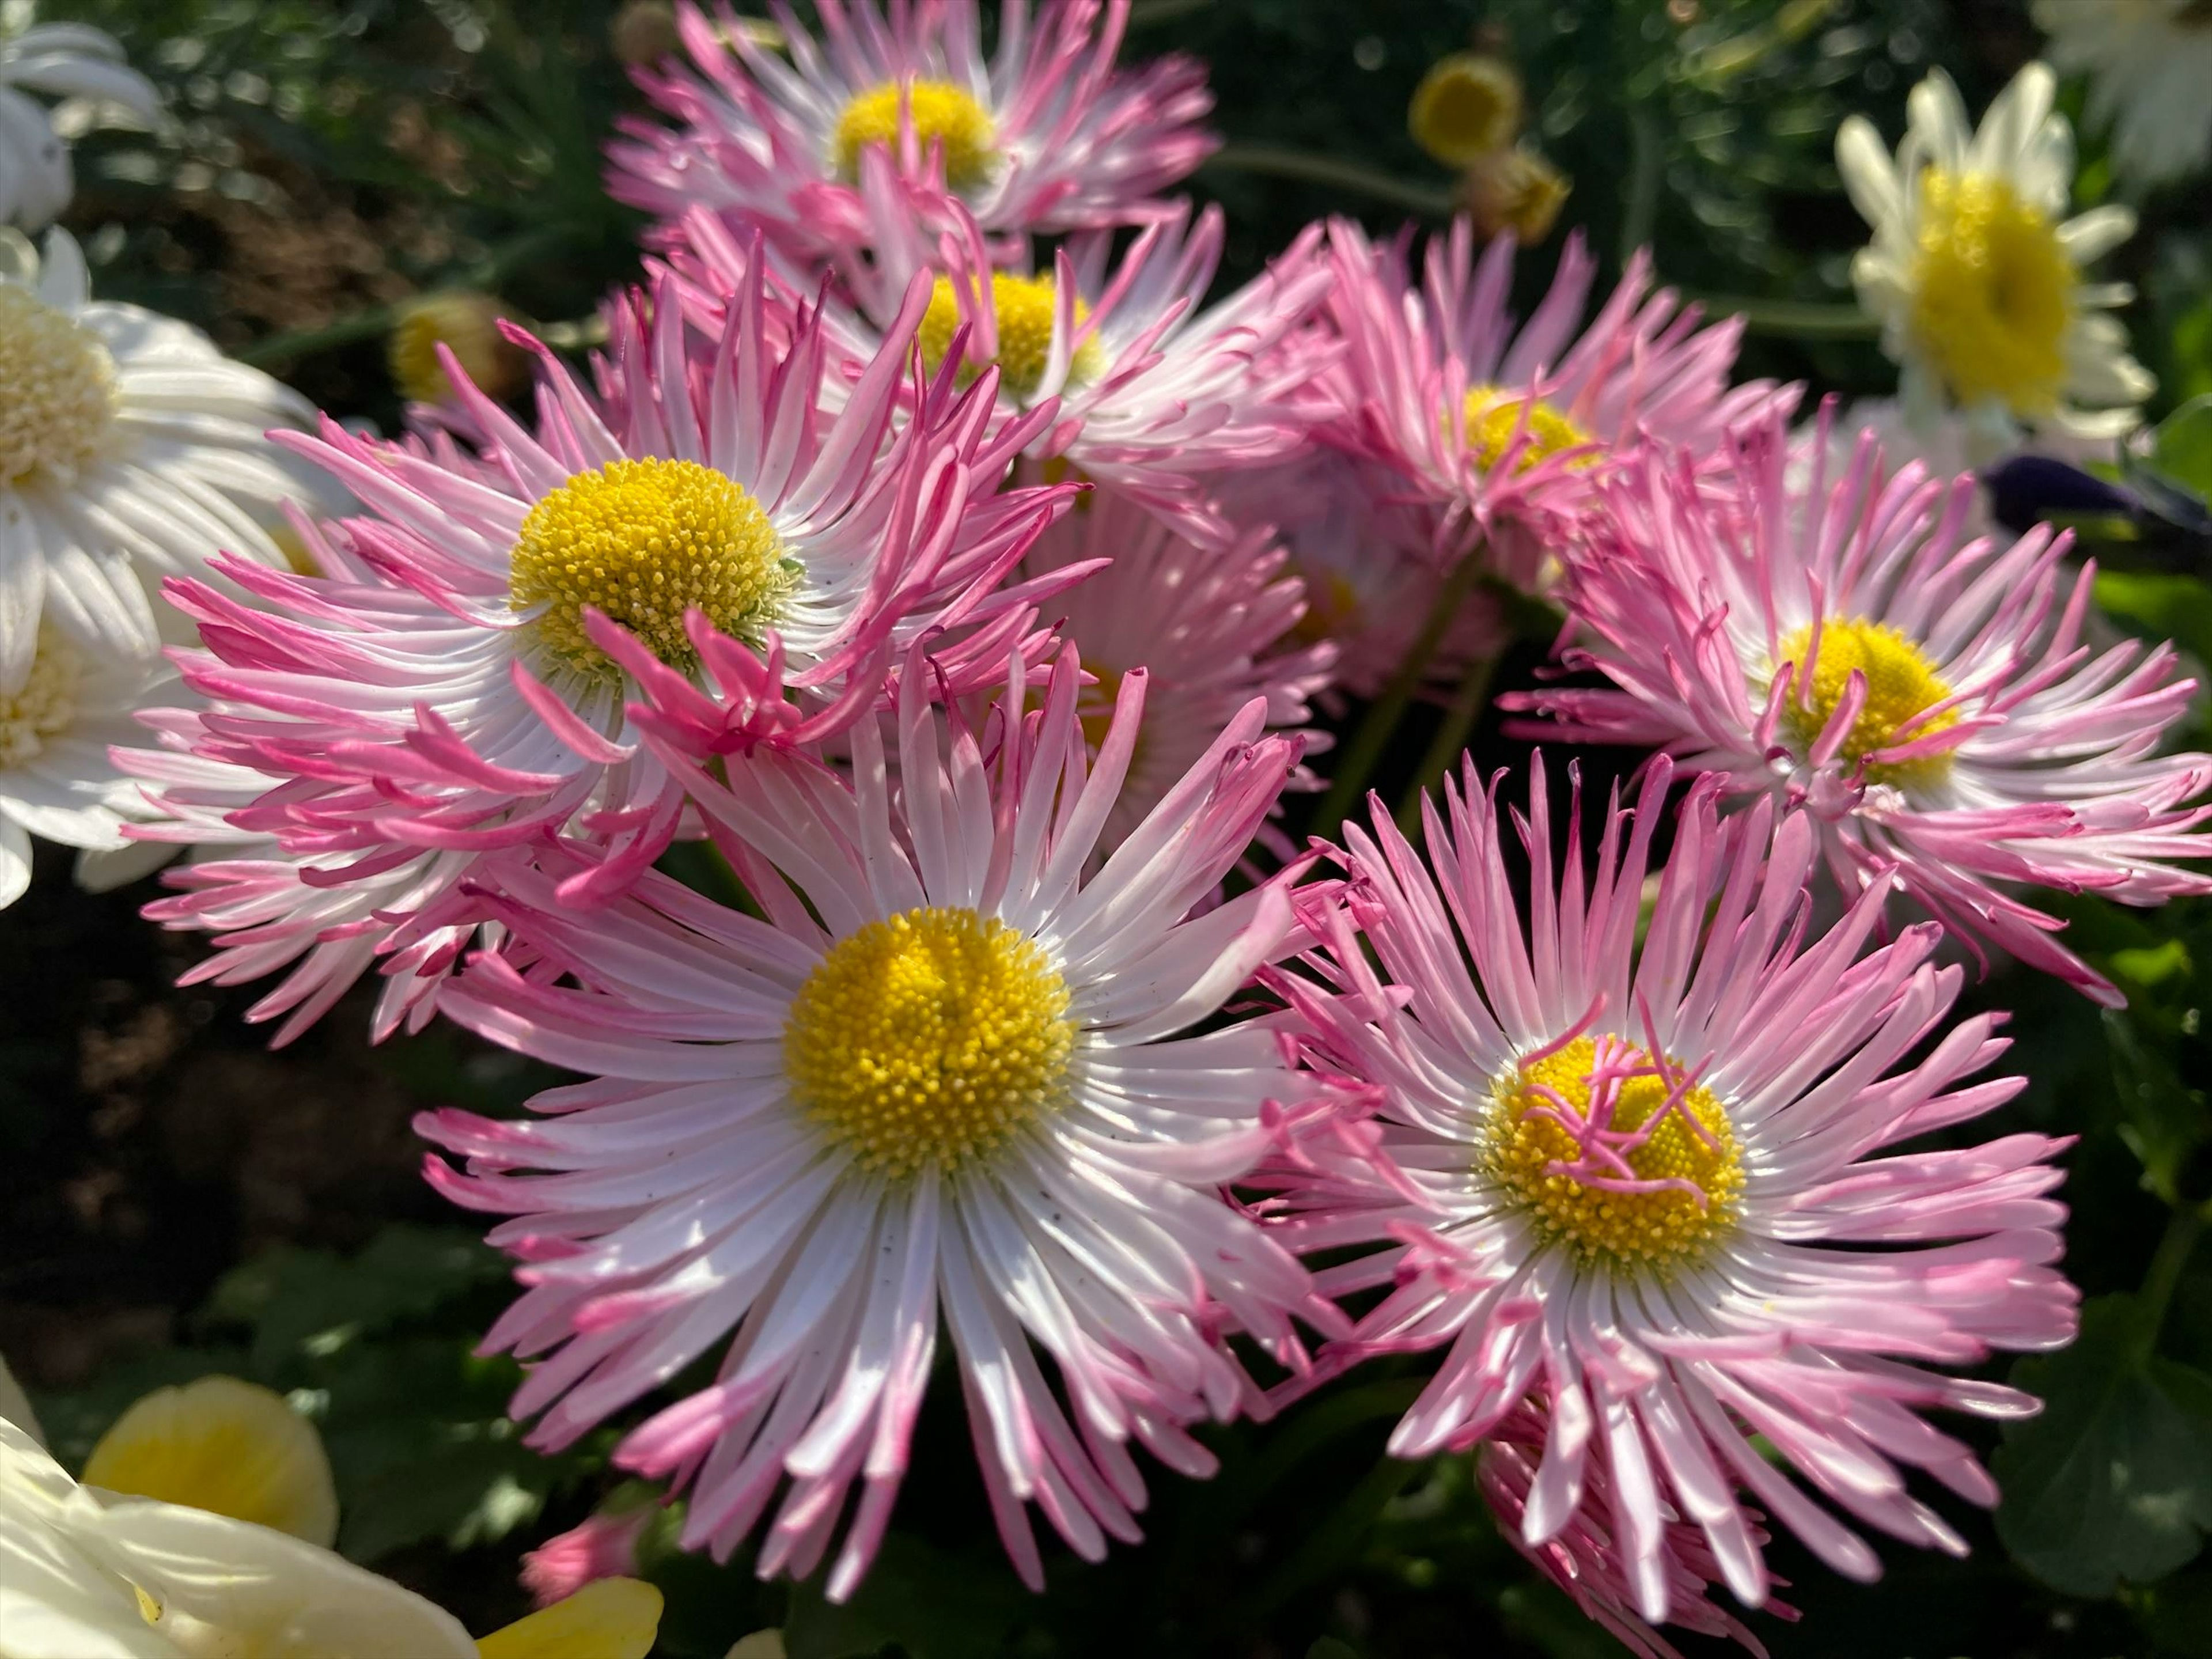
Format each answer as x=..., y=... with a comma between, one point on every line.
x=1584, y=1558
x=1363, y=550
x=1501, y=428
x=1047, y=136
x=1212, y=630
x=1141, y=384
x=1657, y=1187
x=946, y=1077
x=1930, y=699
x=456, y=682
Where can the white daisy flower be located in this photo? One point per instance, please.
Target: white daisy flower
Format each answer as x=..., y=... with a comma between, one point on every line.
x=59, y=712
x=2149, y=65
x=1975, y=273
x=73, y=62
x=130, y=450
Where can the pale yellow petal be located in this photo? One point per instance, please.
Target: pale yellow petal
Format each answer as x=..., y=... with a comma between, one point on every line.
x=226, y=1446
x=611, y=1619
x=220, y=1586
x=761, y=1644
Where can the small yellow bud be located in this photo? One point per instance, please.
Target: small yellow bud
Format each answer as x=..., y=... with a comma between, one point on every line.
x=1467, y=105
x=467, y=323
x=1514, y=190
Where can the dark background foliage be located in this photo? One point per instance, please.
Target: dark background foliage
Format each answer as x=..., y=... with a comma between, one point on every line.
x=174, y=1200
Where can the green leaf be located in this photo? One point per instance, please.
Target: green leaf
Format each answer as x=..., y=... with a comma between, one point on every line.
x=933, y=1605
x=2178, y=608
x=2181, y=448
x=2114, y=1480
x=311, y=1303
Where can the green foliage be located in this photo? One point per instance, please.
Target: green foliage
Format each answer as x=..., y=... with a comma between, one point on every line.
x=2114, y=1480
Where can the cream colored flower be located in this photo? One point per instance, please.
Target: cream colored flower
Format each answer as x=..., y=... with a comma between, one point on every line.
x=85, y=68
x=1976, y=275
x=222, y=1444
x=86, y=1574
x=2149, y=65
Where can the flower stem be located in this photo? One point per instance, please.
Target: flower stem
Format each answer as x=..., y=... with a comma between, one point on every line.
x=1459, y=721
x=1281, y=163
x=1380, y=723
x=2182, y=1228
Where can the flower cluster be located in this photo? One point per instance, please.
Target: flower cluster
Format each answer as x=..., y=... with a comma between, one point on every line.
x=930, y=557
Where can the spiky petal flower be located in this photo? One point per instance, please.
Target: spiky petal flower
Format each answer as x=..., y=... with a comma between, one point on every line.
x=1500, y=430
x=130, y=450
x=1660, y=1187
x=1152, y=391
x=1047, y=136
x=947, y=1078
x=1212, y=630
x=456, y=682
x=67, y=60
x=1931, y=699
x=1584, y=1557
x=1975, y=271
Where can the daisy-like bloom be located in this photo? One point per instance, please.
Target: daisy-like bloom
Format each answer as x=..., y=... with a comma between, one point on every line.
x=1583, y=1558
x=1657, y=1187
x=65, y=60
x=1501, y=430
x=1362, y=550
x=456, y=682
x=1212, y=630
x=1930, y=699
x=2148, y=62
x=130, y=450
x=1975, y=272
x=87, y=1577
x=1045, y=136
x=1154, y=391
x=946, y=1077
x=61, y=711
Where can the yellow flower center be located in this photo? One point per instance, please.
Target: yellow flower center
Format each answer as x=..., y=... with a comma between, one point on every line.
x=1608, y=1155
x=929, y=1040
x=1901, y=682
x=645, y=541
x=1332, y=609
x=1493, y=419
x=1022, y=308
x=45, y=702
x=1467, y=105
x=1992, y=292
x=943, y=114
x=57, y=389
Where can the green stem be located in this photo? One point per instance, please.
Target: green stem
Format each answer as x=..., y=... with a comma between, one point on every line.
x=1459, y=722
x=1277, y=162
x=1804, y=319
x=1146, y=13
x=1380, y=723
x=2182, y=1228
x=1644, y=160
x=276, y=350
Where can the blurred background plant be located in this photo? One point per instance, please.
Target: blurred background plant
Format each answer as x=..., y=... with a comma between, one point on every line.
x=174, y=1202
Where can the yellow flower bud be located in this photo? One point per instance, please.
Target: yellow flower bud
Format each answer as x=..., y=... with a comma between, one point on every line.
x=468, y=324
x=1514, y=190
x=1467, y=105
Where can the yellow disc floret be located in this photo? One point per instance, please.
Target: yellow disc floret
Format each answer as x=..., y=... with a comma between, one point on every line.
x=929, y=1040
x=1494, y=419
x=1683, y=1182
x=943, y=114
x=44, y=705
x=1902, y=683
x=645, y=541
x=57, y=389
x=1022, y=309
x=1992, y=292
